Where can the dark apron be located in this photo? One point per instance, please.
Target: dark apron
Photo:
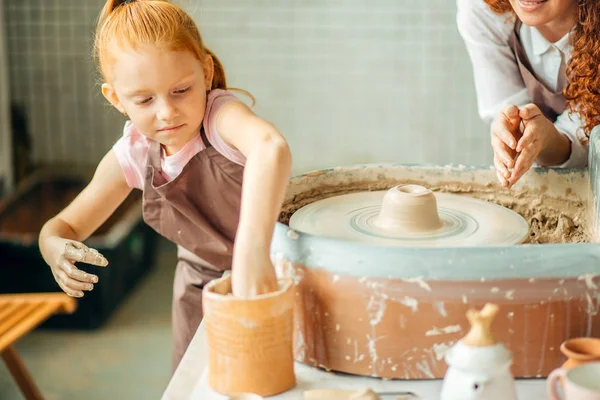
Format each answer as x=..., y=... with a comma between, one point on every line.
x=199, y=211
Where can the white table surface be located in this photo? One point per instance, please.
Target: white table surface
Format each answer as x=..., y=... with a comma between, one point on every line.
x=190, y=380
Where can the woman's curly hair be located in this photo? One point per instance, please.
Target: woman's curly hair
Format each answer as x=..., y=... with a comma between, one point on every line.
x=583, y=68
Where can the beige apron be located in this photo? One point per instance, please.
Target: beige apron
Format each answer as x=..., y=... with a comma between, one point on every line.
x=552, y=104
x=199, y=211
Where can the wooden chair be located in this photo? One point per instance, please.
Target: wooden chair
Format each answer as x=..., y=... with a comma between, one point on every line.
x=19, y=314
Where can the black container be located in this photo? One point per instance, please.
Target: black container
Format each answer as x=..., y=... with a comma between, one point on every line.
x=127, y=243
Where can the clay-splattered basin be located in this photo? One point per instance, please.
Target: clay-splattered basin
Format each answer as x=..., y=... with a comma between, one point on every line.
x=392, y=312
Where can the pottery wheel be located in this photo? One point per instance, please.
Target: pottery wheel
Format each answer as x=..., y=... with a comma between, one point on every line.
x=411, y=215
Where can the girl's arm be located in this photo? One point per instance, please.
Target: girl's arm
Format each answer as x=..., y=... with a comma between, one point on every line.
x=266, y=175
x=60, y=238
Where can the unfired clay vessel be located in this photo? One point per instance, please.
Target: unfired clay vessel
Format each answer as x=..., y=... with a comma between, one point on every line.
x=249, y=340
x=479, y=368
x=393, y=311
x=411, y=208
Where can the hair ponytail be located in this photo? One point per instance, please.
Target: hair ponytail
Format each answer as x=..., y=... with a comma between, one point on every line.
x=219, y=81
x=110, y=6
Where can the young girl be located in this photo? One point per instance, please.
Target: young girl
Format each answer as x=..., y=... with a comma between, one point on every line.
x=536, y=65
x=189, y=144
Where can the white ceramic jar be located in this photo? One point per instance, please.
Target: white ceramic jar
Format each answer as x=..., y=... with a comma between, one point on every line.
x=478, y=373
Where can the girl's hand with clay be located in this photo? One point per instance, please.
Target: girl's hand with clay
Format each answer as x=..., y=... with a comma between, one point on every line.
x=62, y=254
x=252, y=272
x=60, y=238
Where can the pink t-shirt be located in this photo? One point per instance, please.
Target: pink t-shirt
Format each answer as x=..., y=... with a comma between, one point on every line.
x=132, y=148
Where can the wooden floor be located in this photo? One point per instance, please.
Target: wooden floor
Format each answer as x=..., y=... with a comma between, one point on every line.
x=129, y=358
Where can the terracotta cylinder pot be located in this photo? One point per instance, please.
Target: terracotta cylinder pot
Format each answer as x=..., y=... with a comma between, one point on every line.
x=249, y=340
x=391, y=312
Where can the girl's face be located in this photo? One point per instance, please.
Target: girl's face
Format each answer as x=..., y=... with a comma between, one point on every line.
x=163, y=92
x=541, y=12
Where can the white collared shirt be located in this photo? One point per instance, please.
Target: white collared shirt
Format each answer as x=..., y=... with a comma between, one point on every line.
x=498, y=81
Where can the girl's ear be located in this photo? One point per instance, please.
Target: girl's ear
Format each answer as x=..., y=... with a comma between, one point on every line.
x=209, y=71
x=109, y=93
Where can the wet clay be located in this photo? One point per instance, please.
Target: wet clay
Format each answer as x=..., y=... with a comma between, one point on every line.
x=551, y=219
x=80, y=252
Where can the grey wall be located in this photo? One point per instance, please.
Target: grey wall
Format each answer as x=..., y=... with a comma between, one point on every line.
x=5, y=133
x=53, y=76
x=346, y=81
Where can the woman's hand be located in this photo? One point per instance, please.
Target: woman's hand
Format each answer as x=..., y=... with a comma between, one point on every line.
x=252, y=273
x=506, y=133
x=522, y=136
x=62, y=254
x=540, y=141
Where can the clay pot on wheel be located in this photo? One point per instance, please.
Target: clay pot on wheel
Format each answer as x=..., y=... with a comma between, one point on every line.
x=249, y=339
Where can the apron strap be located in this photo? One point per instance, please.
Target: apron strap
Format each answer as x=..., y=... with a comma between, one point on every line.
x=550, y=103
x=154, y=155
x=204, y=138
x=518, y=24
x=514, y=40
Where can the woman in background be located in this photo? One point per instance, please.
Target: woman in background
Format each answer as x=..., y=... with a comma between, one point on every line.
x=536, y=69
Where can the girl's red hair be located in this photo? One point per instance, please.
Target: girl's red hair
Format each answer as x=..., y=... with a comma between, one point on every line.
x=155, y=22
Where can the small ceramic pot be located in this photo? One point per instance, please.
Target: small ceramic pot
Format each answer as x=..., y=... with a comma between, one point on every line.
x=249, y=339
x=580, y=351
x=579, y=383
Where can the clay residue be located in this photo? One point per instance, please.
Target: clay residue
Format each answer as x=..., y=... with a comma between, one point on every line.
x=551, y=219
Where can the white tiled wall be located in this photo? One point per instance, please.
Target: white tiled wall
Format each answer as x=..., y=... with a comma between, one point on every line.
x=353, y=81
x=53, y=76
x=346, y=81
